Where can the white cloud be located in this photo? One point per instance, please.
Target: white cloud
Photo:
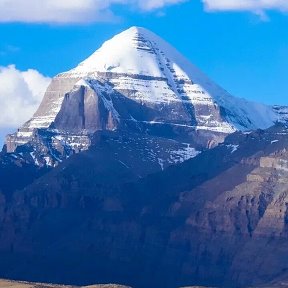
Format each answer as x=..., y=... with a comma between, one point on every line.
x=20, y=95
x=149, y=5
x=257, y=6
x=71, y=11
x=86, y=11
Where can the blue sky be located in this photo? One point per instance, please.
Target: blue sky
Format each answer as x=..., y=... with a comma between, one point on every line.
x=242, y=48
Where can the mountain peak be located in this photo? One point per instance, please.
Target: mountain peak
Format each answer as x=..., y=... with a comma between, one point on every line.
x=136, y=80
x=137, y=30
x=132, y=51
x=134, y=31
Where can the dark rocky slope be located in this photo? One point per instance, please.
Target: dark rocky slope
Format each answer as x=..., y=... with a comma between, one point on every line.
x=219, y=219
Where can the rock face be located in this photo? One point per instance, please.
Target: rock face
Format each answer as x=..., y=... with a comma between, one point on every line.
x=136, y=82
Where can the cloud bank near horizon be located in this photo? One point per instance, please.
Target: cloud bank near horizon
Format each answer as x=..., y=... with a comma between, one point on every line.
x=20, y=95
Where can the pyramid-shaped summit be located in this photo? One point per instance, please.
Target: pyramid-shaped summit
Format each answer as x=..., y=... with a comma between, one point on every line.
x=133, y=51
x=136, y=81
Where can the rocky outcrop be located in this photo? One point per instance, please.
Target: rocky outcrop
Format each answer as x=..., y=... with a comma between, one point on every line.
x=86, y=109
x=274, y=162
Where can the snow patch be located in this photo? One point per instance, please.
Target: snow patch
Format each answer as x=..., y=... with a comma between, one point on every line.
x=181, y=155
x=125, y=165
x=35, y=158
x=233, y=148
x=161, y=163
x=48, y=161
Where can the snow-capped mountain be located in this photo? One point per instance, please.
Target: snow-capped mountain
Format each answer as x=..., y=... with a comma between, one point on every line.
x=137, y=106
x=138, y=82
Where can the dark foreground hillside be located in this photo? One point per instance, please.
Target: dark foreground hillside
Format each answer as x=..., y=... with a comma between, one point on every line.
x=219, y=219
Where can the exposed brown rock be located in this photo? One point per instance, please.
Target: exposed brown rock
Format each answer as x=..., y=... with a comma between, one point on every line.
x=15, y=284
